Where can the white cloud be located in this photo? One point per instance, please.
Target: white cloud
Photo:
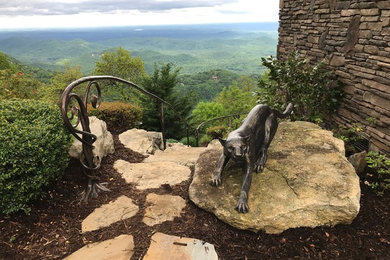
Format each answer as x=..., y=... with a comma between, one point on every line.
x=86, y=13
x=62, y=7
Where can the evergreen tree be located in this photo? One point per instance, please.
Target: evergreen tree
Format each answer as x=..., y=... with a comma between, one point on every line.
x=162, y=84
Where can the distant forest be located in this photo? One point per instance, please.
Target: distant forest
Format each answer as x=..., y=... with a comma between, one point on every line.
x=194, y=48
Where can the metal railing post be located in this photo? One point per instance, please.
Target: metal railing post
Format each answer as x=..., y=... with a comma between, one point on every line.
x=188, y=136
x=161, y=110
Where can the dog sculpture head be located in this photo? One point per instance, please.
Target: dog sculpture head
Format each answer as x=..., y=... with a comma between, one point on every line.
x=235, y=148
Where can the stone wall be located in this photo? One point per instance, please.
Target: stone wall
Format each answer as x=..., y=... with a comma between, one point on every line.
x=354, y=37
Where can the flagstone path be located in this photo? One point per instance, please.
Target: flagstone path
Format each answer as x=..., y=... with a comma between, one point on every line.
x=169, y=167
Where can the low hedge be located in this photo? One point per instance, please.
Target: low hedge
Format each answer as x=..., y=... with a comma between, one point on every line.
x=119, y=116
x=34, y=148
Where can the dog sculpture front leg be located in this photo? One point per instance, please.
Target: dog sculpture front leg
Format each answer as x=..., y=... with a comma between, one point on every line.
x=217, y=179
x=271, y=125
x=242, y=204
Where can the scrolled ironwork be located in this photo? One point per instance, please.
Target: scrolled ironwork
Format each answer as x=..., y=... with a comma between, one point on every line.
x=79, y=114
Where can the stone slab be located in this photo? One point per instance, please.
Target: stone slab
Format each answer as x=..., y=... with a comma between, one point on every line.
x=119, y=209
x=162, y=208
x=164, y=246
x=119, y=248
x=153, y=174
x=177, y=153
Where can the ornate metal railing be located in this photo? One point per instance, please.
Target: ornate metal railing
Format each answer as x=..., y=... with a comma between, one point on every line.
x=212, y=120
x=78, y=113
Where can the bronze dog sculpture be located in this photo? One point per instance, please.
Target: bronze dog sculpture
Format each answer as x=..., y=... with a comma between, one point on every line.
x=249, y=144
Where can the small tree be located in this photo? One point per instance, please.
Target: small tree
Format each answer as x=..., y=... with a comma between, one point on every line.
x=120, y=64
x=59, y=82
x=235, y=100
x=247, y=83
x=162, y=84
x=230, y=101
x=313, y=90
x=205, y=111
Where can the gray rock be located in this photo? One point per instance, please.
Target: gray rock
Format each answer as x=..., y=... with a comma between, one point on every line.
x=164, y=246
x=104, y=143
x=358, y=161
x=307, y=182
x=119, y=248
x=142, y=141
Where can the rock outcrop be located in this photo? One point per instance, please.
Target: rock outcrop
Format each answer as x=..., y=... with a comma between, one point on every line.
x=104, y=143
x=358, y=161
x=307, y=182
x=142, y=141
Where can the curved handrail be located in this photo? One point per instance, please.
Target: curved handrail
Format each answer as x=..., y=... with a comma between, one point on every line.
x=88, y=161
x=92, y=80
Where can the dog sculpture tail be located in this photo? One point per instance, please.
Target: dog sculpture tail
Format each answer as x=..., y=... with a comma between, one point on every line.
x=286, y=112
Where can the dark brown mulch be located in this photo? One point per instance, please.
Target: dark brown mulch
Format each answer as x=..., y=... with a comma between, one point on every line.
x=53, y=229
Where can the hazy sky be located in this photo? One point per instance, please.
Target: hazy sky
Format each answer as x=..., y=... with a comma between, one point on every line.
x=96, y=13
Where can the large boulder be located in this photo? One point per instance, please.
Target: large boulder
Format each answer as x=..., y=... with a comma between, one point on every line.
x=104, y=143
x=142, y=141
x=307, y=182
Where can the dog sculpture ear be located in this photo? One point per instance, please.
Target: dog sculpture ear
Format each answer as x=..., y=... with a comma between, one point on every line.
x=246, y=138
x=223, y=142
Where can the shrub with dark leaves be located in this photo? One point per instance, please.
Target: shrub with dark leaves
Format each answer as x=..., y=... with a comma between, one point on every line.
x=119, y=116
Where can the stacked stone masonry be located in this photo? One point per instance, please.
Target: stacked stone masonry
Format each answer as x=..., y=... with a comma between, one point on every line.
x=354, y=38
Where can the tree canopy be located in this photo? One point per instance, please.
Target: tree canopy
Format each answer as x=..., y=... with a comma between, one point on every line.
x=120, y=64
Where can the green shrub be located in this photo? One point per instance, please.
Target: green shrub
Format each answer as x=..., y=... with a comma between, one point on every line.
x=350, y=135
x=314, y=90
x=216, y=132
x=380, y=164
x=34, y=148
x=191, y=139
x=204, y=140
x=119, y=116
x=14, y=84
